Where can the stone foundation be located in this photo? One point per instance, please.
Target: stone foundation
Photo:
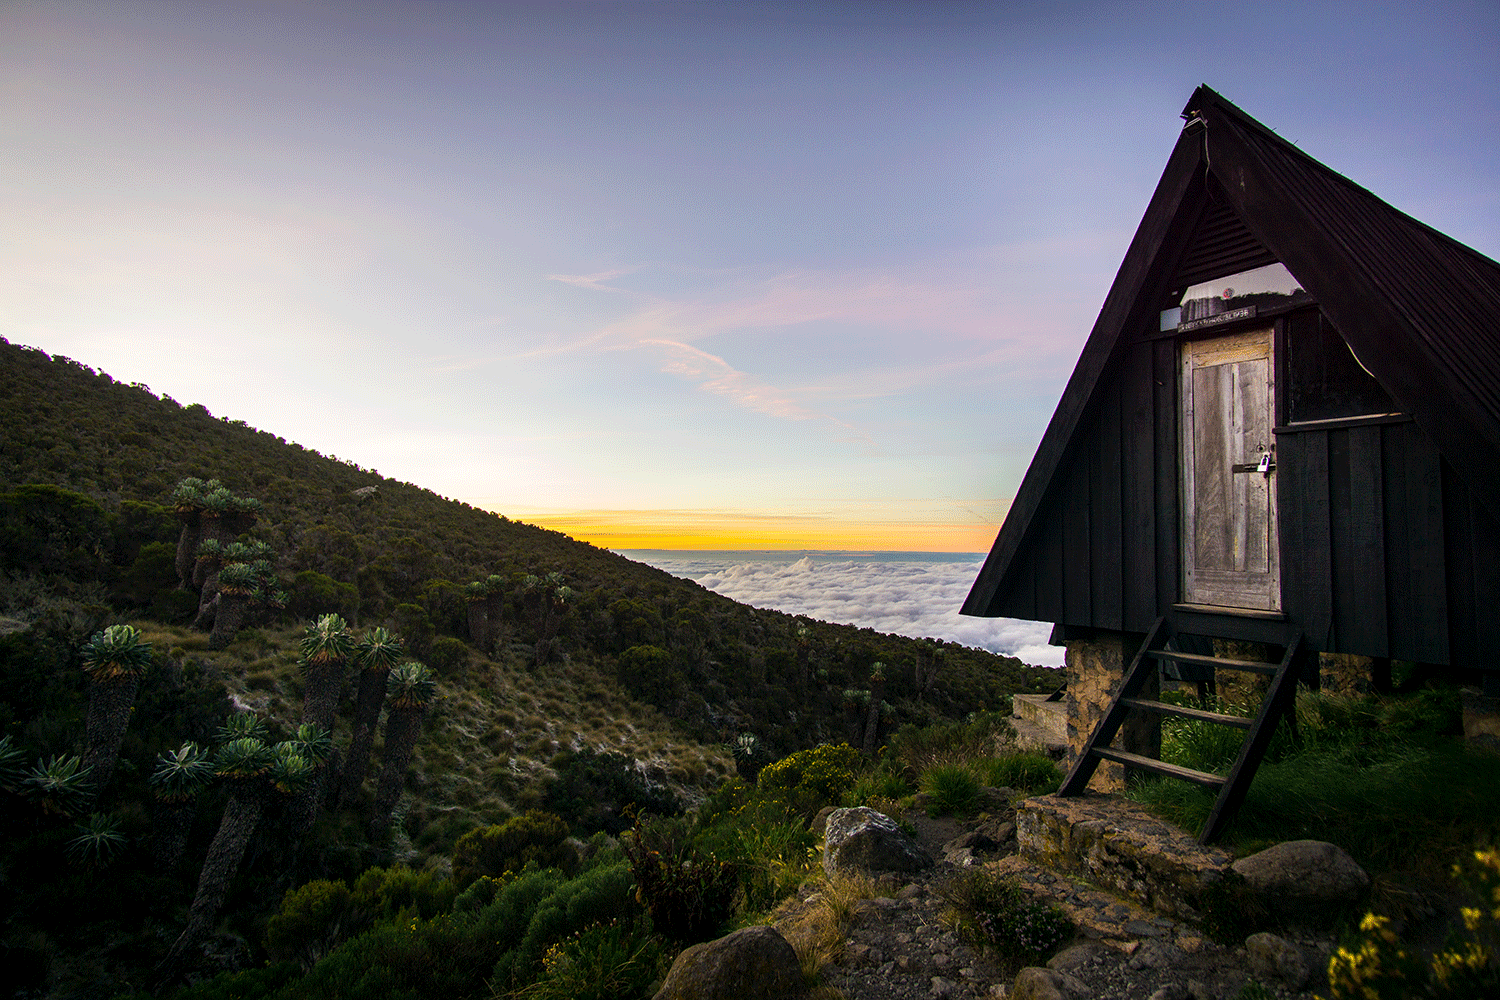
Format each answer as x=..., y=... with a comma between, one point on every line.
x=1095, y=669
x=1116, y=845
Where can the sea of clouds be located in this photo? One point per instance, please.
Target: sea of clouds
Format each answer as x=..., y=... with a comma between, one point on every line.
x=915, y=594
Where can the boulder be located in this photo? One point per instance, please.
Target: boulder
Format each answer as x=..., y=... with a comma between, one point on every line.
x=755, y=963
x=1273, y=957
x=1302, y=880
x=863, y=839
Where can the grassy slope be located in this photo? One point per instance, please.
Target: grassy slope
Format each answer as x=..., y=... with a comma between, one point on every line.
x=499, y=721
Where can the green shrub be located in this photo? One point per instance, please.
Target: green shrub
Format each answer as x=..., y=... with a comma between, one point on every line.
x=618, y=960
x=313, y=595
x=251, y=984
x=689, y=895
x=995, y=910
x=649, y=673
x=314, y=919
x=389, y=892
x=828, y=770
x=448, y=655
x=953, y=790
x=1029, y=773
x=507, y=847
x=880, y=785
x=594, y=898
x=596, y=791
x=914, y=750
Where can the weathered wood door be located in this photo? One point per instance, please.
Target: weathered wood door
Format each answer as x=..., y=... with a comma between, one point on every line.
x=1229, y=543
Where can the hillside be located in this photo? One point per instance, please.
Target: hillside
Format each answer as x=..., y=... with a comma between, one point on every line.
x=642, y=695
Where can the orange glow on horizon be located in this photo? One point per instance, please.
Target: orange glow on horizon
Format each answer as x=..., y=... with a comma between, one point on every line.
x=715, y=530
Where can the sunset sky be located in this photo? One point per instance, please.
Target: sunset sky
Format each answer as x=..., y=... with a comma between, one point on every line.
x=666, y=275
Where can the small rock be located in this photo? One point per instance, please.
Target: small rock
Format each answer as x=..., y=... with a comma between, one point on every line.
x=910, y=892
x=1142, y=928
x=999, y=991
x=1273, y=956
x=944, y=987
x=1036, y=983
x=1190, y=943
x=1198, y=991
x=1080, y=955
x=1171, y=991
x=1155, y=955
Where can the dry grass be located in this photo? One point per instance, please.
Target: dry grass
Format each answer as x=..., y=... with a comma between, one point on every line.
x=816, y=923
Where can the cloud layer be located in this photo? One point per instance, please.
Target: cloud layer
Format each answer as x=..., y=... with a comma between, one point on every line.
x=914, y=597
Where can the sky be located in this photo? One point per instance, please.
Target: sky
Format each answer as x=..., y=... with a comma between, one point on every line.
x=666, y=275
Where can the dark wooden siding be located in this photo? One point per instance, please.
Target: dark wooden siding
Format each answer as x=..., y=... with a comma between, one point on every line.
x=1103, y=553
x=1383, y=550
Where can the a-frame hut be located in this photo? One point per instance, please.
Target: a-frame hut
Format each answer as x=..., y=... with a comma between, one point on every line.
x=1283, y=430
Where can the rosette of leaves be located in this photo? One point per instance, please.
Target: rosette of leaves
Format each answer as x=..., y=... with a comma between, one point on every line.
x=408, y=691
x=496, y=588
x=98, y=842
x=326, y=648
x=315, y=745
x=59, y=787
x=239, y=726
x=179, y=776
x=237, y=581
x=550, y=599
x=207, y=558
x=115, y=660
x=376, y=653
x=290, y=772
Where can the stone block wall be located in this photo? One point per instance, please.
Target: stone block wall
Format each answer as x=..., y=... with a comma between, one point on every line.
x=1095, y=670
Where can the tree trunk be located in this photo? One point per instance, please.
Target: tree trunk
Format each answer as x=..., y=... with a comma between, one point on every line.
x=320, y=700
x=109, y=716
x=170, y=825
x=231, y=611
x=240, y=818
x=187, y=548
x=402, y=727
x=872, y=716
x=479, y=624
x=496, y=605
x=366, y=717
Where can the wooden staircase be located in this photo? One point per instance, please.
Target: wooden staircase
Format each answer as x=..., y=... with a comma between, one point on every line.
x=1279, y=700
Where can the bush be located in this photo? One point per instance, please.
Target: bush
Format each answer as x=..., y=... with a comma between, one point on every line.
x=1376, y=966
x=399, y=891
x=447, y=655
x=507, y=847
x=952, y=789
x=914, y=750
x=689, y=895
x=827, y=770
x=314, y=594
x=996, y=911
x=1030, y=773
x=596, y=791
x=314, y=919
x=618, y=960
x=594, y=898
x=649, y=674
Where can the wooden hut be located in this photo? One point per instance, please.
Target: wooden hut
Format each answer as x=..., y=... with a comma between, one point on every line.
x=1284, y=430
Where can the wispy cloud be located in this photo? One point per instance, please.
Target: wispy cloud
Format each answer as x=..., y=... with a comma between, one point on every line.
x=971, y=318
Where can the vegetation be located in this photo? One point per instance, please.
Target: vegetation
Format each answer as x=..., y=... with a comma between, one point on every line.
x=178, y=569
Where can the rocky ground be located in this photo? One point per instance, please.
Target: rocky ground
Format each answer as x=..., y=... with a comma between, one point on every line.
x=902, y=944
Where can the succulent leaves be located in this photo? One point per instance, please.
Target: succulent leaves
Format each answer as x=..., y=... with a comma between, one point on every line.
x=409, y=686
x=379, y=650
x=116, y=653
x=99, y=840
x=182, y=773
x=312, y=742
x=290, y=771
x=243, y=759
x=241, y=725
x=59, y=786
x=327, y=640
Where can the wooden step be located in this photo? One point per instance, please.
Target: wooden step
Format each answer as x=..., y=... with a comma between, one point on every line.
x=1160, y=767
x=1162, y=708
x=1248, y=666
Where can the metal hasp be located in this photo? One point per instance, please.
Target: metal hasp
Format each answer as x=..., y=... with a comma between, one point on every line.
x=1279, y=700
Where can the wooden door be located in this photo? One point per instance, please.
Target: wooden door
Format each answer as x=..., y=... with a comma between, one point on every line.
x=1229, y=542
